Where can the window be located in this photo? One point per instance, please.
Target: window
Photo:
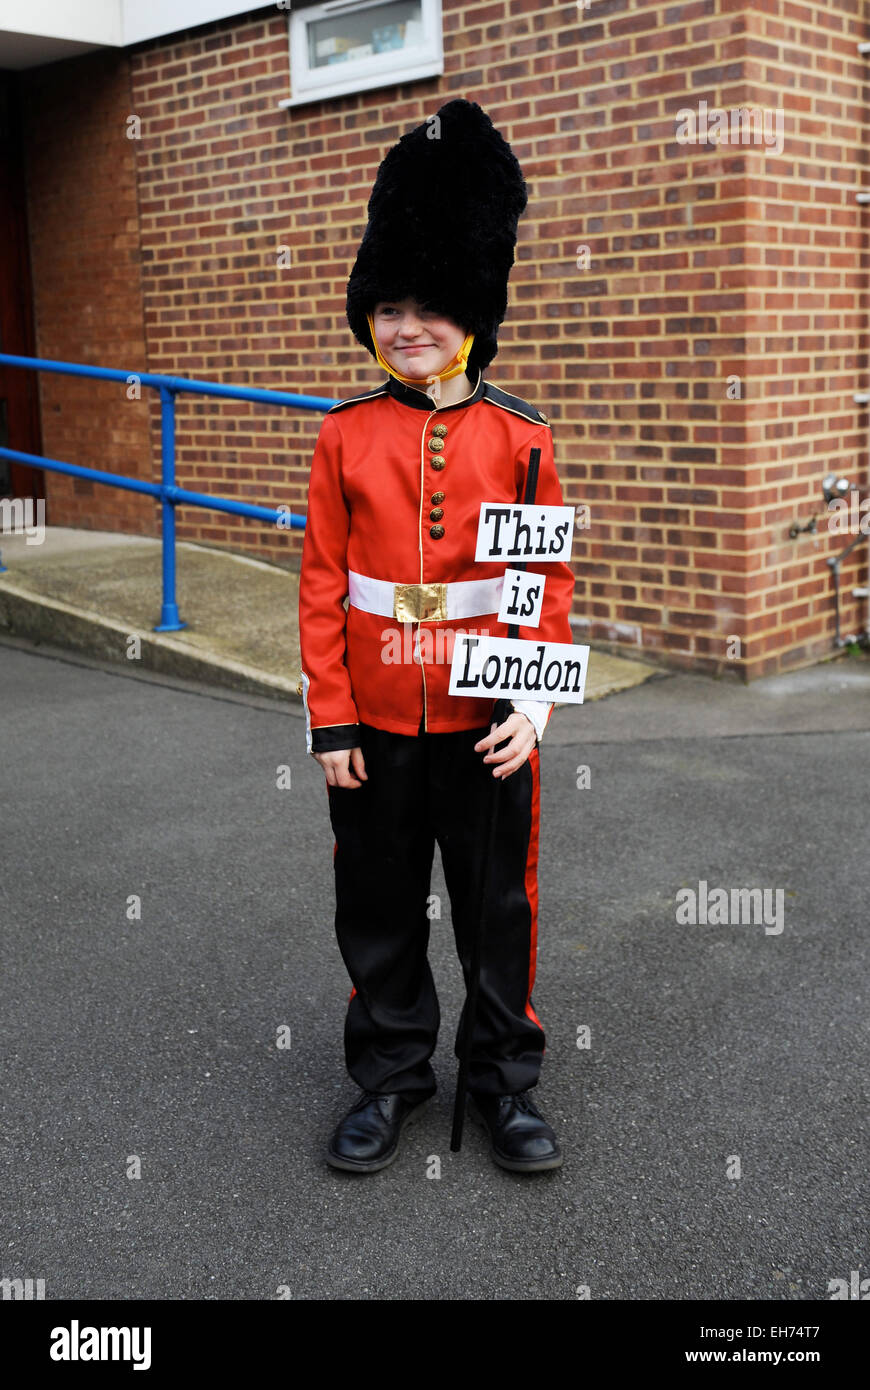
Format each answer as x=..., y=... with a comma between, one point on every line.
x=353, y=45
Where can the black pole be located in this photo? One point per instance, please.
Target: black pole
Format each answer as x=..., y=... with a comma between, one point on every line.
x=473, y=983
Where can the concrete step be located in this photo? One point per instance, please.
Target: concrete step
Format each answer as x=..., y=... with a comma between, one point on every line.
x=96, y=592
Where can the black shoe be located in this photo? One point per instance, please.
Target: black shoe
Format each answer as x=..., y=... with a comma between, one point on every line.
x=368, y=1137
x=521, y=1139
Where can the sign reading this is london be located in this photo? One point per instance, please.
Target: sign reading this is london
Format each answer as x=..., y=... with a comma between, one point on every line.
x=485, y=666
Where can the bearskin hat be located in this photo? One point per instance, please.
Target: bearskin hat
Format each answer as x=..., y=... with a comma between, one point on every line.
x=442, y=227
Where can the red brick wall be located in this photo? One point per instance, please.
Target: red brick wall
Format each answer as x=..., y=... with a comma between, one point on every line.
x=715, y=262
x=87, y=288
x=705, y=263
x=805, y=325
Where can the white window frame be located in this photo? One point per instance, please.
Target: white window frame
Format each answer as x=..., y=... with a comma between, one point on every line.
x=360, y=74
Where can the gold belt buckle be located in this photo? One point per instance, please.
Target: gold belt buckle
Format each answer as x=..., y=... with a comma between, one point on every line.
x=415, y=603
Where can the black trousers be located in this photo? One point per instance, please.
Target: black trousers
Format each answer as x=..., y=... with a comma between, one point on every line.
x=424, y=790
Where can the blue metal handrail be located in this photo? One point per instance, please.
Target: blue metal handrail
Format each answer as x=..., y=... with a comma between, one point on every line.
x=170, y=495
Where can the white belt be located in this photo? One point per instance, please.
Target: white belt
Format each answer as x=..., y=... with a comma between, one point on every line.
x=413, y=603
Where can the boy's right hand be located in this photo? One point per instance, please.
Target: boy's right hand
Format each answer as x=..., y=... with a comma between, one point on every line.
x=341, y=765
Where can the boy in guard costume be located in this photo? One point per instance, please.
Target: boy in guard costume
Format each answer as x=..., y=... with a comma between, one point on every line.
x=398, y=477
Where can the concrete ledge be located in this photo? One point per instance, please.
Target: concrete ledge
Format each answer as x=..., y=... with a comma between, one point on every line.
x=49, y=620
x=42, y=619
x=90, y=591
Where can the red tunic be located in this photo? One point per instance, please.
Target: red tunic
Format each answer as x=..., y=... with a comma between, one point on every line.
x=374, y=482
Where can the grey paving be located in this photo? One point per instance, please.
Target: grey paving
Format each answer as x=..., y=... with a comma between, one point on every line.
x=156, y=1037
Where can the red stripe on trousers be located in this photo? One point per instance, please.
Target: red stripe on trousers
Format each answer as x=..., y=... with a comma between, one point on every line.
x=532, y=879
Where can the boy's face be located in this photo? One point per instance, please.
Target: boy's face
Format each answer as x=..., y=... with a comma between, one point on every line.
x=414, y=340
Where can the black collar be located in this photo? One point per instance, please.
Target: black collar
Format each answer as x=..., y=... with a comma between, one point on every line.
x=409, y=395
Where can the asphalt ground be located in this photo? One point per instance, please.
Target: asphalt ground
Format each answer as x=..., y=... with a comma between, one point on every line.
x=715, y=1128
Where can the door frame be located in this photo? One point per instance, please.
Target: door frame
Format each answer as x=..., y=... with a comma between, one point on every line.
x=19, y=387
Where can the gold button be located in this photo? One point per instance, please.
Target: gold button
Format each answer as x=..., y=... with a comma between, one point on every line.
x=440, y=430
x=437, y=497
x=436, y=445
x=438, y=464
x=436, y=532
x=436, y=513
x=299, y=687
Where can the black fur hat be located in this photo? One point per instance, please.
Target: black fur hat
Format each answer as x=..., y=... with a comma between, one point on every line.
x=442, y=227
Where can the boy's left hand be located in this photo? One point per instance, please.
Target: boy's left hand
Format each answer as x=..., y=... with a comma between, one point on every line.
x=521, y=732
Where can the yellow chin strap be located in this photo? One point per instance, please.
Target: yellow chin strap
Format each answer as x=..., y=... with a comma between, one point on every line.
x=458, y=364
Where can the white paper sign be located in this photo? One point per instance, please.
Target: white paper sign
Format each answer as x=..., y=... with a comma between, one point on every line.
x=522, y=598
x=495, y=666
x=511, y=531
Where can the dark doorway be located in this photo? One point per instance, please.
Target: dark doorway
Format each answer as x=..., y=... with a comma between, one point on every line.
x=19, y=396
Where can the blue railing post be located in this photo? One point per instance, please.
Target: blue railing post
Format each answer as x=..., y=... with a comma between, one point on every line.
x=169, y=619
x=170, y=495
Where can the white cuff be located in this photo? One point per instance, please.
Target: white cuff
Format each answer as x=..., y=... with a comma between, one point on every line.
x=305, y=684
x=537, y=711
